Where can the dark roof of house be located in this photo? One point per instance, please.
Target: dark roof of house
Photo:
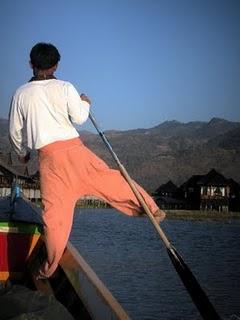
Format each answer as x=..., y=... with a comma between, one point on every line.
x=191, y=182
x=167, y=187
x=11, y=172
x=10, y=164
x=14, y=170
x=213, y=178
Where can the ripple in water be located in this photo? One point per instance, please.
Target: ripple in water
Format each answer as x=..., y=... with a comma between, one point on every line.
x=129, y=257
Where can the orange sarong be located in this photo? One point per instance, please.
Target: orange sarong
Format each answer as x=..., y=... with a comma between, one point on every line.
x=69, y=171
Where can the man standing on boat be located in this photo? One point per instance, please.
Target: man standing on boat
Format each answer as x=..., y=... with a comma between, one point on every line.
x=45, y=109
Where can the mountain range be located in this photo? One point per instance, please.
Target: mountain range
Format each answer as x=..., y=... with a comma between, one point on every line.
x=171, y=150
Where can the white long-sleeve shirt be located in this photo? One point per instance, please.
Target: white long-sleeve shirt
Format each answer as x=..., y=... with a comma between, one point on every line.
x=45, y=111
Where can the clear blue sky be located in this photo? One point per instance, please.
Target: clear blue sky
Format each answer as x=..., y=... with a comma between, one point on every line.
x=141, y=61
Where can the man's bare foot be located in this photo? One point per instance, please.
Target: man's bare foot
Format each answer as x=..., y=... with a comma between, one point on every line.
x=39, y=275
x=159, y=215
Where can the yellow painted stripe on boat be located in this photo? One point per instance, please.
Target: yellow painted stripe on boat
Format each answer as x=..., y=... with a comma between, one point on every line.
x=33, y=244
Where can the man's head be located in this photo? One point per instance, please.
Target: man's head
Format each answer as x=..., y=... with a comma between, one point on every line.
x=44, y=56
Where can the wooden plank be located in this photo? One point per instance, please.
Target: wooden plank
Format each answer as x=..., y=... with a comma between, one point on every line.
x=97, y=298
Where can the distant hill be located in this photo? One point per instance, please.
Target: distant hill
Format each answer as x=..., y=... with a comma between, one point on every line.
x=216, y=127
x=3, y=127
x=170, y=151
x=4, y=141
x=229, y=141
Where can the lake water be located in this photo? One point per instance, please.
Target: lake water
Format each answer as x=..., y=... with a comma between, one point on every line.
x=129, y=257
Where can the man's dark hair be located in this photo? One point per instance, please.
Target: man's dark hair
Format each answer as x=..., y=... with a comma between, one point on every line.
x=44, y=56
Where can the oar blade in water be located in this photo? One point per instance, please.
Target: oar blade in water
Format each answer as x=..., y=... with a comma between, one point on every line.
x=197, y=294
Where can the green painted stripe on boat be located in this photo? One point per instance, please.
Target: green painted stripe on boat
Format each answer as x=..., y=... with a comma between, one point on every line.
x=19, y=227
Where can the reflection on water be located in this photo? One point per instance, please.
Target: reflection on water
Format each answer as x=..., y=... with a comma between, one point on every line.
x=129, y=257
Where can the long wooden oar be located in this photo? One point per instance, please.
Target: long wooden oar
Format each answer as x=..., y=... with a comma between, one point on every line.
x=197, y=294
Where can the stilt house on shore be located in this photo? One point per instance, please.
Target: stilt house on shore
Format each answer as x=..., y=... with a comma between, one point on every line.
x=212, y=192
x=168, y=196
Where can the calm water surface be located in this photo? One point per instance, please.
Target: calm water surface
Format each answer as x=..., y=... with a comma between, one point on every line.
x=129, y=257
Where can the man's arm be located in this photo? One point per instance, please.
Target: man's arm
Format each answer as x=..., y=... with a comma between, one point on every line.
x=78, y=107
x=16, y=124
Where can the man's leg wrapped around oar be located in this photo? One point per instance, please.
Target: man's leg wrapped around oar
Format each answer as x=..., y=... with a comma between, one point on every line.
x=69, y=171
x=110, y=186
